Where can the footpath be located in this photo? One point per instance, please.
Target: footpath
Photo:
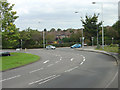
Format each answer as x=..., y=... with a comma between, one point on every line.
x=92, y=49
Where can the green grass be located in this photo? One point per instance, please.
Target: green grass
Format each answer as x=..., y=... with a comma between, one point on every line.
x=17, y=60
x=109, y=49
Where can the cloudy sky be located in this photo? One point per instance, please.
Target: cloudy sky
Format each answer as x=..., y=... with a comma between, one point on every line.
x=40, y=14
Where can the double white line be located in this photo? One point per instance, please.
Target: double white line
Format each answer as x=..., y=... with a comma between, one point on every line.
x=41, y=81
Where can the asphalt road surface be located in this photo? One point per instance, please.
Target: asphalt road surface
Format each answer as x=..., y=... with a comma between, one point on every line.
x=64, y=68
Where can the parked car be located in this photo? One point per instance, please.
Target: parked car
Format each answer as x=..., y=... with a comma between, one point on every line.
x=76, y=46
x=50, y=47
x=4, y=53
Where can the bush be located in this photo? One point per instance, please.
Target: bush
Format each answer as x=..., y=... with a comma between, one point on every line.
x=113, y=45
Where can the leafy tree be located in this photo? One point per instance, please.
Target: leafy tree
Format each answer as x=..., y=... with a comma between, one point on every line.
x=31, y=38
x=10, y=33
x=52, y=30
x=116, y=26
x=90, y=26
x=59, y=29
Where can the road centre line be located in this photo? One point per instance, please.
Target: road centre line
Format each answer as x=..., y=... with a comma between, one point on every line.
x=10, y=78
x=50, y=65
x=49, y=79
x=71, y=59
x=57, y=61
x=81, y=63
x=36, y=70
x=41, y=80
x=46, y=61
x=71, y=69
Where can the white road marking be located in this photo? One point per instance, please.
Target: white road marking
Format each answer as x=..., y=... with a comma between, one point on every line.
x=57, y=61
x=71, y=69
x=60, y=58
x=112, y=80
x=50, y=65
x=46, y=61
x=83, y=59
x=36, y=70
x=49, y=79
x=71, y=59
x=81, y=63
x=10, y=78
x=82, y=55
x=41, y=80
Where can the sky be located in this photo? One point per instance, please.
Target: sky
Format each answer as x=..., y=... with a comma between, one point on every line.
x=41, y=14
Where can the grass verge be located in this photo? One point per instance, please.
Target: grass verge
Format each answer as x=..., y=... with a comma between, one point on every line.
x=109, y=49
x=17, y=60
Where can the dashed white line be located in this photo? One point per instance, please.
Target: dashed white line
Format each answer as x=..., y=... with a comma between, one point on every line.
x=71, y=69
x=10, y=78
x=60, y=58
x=50, y=65
x=36, y=70
x=57, y=61
x=46, y=61
x=81, y=63
x=71, y=59
x=41, y=80
x=49, y=79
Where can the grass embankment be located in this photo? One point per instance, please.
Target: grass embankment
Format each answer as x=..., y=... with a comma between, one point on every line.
x=109, y=49
x=17, y=60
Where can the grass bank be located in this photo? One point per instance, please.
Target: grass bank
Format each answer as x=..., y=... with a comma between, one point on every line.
x=17, y=60
x=109, y=49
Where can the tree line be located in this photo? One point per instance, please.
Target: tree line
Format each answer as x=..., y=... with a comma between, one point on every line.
x=12, y=37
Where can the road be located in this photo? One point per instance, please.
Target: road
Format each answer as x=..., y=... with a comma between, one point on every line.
x=64, y=68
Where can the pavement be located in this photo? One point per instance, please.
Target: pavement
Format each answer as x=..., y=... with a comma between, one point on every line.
x=92, y=49
x=64, y=68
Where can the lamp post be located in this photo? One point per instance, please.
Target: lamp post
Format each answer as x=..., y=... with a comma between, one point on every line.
x=102, y=24
x=21, y=44
x=82, y=34
x=112, y=39
x=92, y=40
x=43, y=39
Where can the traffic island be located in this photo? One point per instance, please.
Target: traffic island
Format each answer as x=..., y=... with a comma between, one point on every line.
x=17, y=60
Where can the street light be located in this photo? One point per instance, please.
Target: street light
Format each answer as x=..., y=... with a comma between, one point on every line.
x=21, y=44
x=102, y=24
x=112, y=39
x=43, y=39
x=82, y=33
x=92, y=40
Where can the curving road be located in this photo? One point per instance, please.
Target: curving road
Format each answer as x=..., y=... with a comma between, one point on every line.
x=64, y=68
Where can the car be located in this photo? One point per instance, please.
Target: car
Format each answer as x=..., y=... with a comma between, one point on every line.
x=17, y=49
x=76, y=46
x=50, y=47
x=4, y=53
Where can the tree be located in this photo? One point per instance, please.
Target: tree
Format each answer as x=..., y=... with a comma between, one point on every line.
x=31, y=38
x=52, y=30
x=116, y=26
x=90, y=26
x=59, y=29
x=10, y=33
